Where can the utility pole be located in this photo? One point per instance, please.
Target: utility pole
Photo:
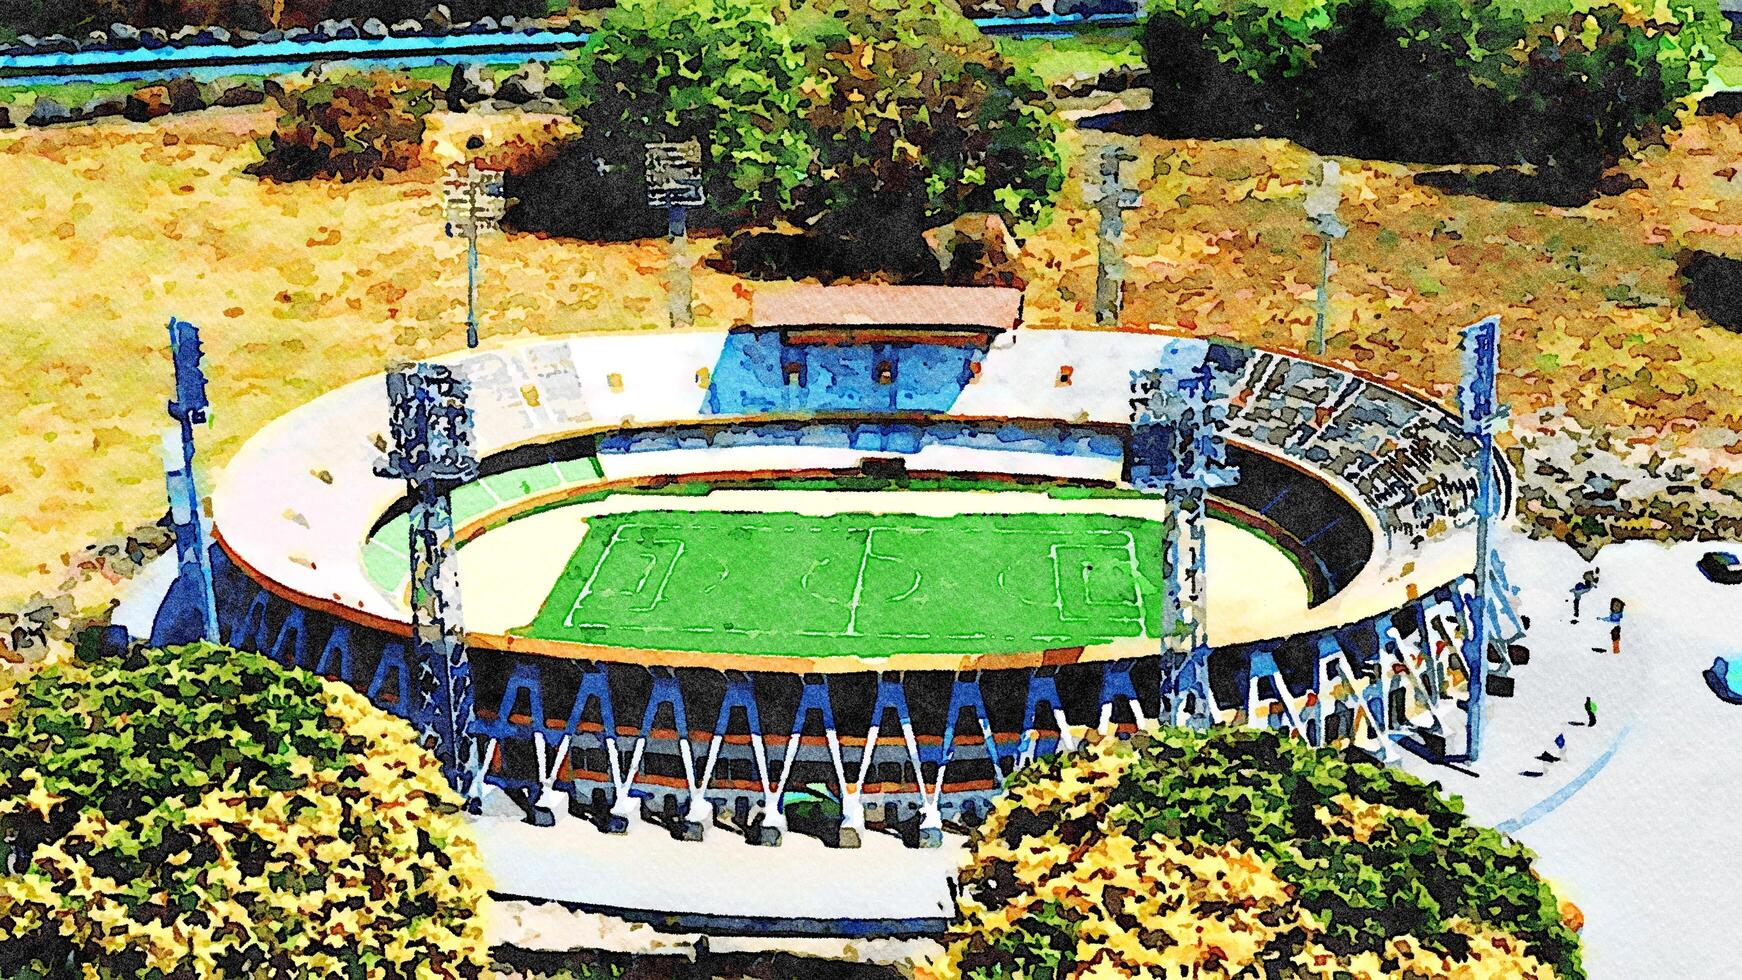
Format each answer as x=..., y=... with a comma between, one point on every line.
x=1177, y=451
x=1322, y=200
x=674, y=182
x=189, y=408
x=474, y=205
x=432, y=452
x=1111, y=199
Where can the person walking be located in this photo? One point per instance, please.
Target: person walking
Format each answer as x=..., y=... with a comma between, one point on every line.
x=1590, y=713
x=1581, y=588
x=1616, y=609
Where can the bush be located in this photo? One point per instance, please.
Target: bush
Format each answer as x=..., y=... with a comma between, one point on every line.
x=917, y=119
x=1244, y=853
x=1567, y=88
x=717, y=71
x=202, y=812
x=352, y=128
x=864, y=120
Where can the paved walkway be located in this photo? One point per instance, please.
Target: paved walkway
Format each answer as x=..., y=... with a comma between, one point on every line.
x=1636, y=820
x=1649, y=848
x=799, y=887
x=1538, y=747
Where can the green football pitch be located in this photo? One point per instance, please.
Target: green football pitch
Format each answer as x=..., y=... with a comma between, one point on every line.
x=856, y=584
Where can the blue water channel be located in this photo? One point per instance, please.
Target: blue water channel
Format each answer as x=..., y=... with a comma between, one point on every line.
x=204, y=62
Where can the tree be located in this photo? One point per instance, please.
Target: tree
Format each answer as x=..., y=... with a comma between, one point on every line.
x=1237, y=852
x=916, y=119
x=863, y=121
x=721, y=72
x=1562, y=89
x=197, y=811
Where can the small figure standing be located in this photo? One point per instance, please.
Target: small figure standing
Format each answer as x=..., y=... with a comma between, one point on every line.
x=1590, y=713
x=1616, y=608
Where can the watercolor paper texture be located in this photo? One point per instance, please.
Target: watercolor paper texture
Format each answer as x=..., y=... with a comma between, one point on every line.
x=870, y=488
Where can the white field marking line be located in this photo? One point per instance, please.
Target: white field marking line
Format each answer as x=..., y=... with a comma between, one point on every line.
x=1136, y=582
x=671, y=566
x=859, y=585
x=494, y=496
x=918, y=577
x=1059, y=589
x=587, y=586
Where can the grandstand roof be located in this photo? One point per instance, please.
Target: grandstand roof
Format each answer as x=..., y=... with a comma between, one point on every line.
x=863, y=305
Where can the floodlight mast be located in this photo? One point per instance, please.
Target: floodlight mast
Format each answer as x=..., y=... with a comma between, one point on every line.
x=475, y=204
x=1323, y=198
x=1483, y=417
x=1178, y=452
x=432, y=451
x=189, y=407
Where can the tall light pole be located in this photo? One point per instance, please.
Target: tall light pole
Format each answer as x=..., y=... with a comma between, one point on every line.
x=1483, y=417
x=1323, y=198
x=189, y=408
x=1177, y=451
x=674, y=182
x=474, y=205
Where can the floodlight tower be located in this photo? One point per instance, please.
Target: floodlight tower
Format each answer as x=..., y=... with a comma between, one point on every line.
x=1493, y=622
x=189, y=408
x=432, y=452
x=1178, y=452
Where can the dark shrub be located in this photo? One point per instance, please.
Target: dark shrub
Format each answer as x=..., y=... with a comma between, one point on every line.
x=199, y=811
x=350, y=129
x=1712, y=287
x=1139, y=857
x=916, y=118
x=1564, y=92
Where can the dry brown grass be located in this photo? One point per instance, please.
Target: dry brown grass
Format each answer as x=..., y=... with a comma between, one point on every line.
x=298, y=288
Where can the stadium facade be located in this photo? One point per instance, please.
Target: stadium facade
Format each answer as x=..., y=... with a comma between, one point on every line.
x=1367, y=486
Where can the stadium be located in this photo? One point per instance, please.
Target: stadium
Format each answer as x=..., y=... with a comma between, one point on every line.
x=852, y=564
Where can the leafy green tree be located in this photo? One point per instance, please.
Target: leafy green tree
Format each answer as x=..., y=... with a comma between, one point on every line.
x=1237, y=852
x=916, y=118
x=197, y=811
x=867, y=120
x=721, y=72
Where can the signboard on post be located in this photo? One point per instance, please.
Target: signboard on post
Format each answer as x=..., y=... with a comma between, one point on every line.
x=674, y=182
x=674, y=175
x=473, y=203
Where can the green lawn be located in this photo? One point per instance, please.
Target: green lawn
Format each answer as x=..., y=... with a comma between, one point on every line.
x=1084, y=54
x=856, y=584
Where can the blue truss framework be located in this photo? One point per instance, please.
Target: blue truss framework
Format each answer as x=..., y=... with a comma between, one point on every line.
x=692, y=748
